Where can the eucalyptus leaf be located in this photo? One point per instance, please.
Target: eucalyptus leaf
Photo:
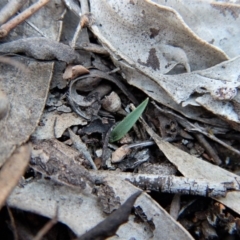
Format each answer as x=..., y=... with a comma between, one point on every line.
x=126, y=124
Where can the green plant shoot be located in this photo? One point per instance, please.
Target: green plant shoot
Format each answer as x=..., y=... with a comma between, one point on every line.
x=127, y=123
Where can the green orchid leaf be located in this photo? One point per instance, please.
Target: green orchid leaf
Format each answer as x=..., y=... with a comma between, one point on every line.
x=127, y=123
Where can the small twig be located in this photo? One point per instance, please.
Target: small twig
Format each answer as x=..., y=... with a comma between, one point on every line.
x=169, y=184
x=208, y=148
x=82, y=23
x=114, y=70
x=7, y=27
x=10, y=9
x=36, y=28
x=141, y=144
x=105, y=145
x=13, y=225
x=92, y=47
x=81, y=147
x=195, y=128
x=179, y=185
x=45, y=229
x=76, y=35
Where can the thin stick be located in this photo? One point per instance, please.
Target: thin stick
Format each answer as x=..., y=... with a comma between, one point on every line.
x=10, y=9
x=202, y=140
x=45, y=229
x=81, y=147
x=190, y=127
x=13, y=225
x=7, y=27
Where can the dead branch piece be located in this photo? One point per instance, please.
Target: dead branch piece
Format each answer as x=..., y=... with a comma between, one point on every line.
x=12, y=171
x=81, y=147
x=208, y=148
x=10, y=9
x=74, y=175
x=7, y=27
x=110, y=225
x=45, y=229
x=179, y=185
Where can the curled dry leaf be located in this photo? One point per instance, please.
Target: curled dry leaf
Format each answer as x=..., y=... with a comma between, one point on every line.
x=54, y=124
x=155, y=44
x=204, y=18
x=154, y=47
x=120, y=154
x=72, y=72
x=112, y=102
x=156, y=92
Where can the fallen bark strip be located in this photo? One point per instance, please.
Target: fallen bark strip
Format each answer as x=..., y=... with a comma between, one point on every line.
x=179, y=185
x=71, y=175
x=170, y=184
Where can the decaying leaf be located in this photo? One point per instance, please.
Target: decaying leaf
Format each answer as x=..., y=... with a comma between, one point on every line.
x=76, y=203
x=155, y=44
x=72, y=72
x=26, y=94
x=156, y=50
x=194, y=167
x=156, y=92
x=54, y=124
x=214, y=21
x=12, y=171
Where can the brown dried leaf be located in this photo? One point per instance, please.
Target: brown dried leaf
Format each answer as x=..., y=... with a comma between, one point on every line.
x=54, y=124
x=12, y=171
x=27, y=94
x=72, y=72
